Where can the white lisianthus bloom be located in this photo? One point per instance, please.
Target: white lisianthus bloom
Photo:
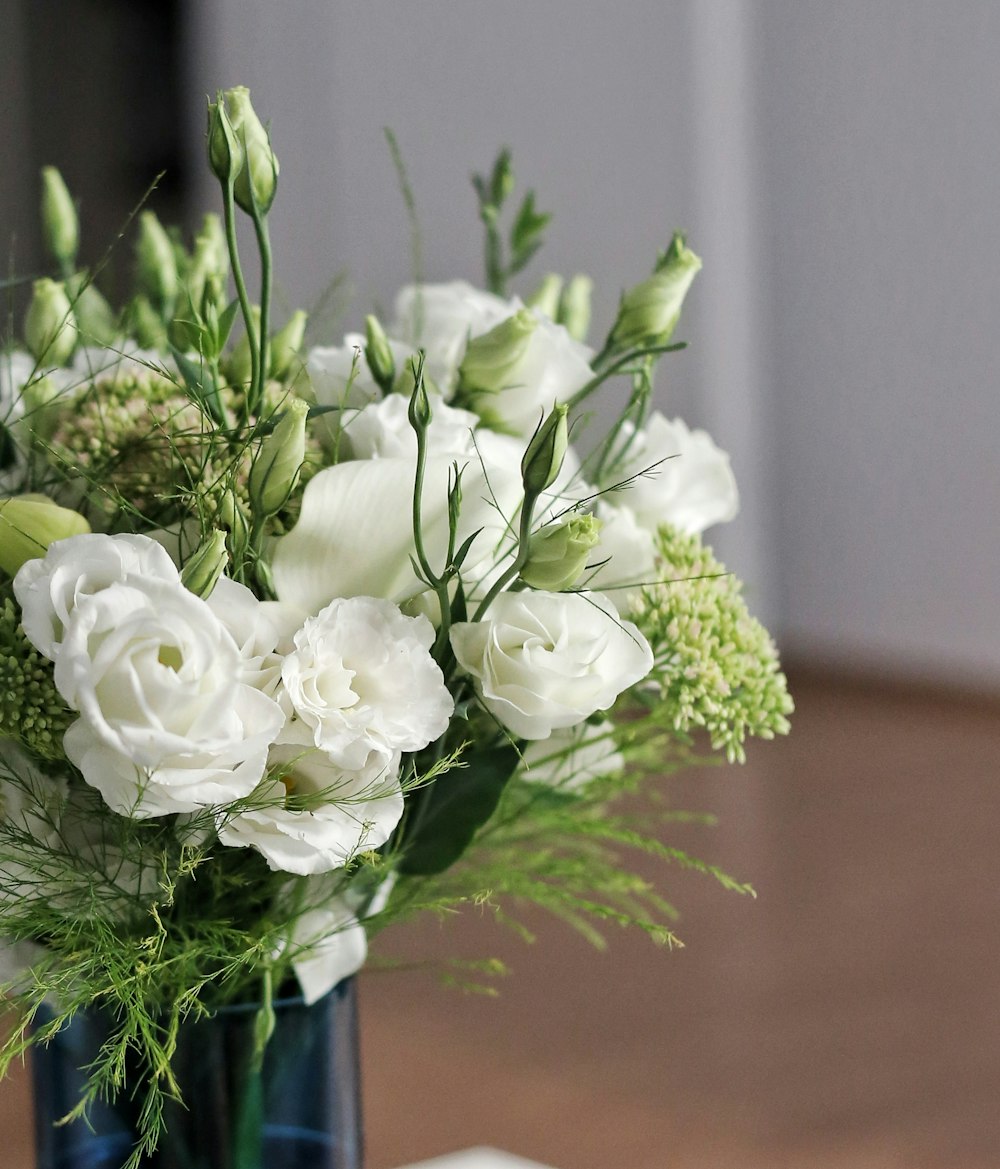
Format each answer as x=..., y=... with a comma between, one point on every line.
x=382, y=430
x=362, y=679
x=570, y=758
x=328, y=944
x=677, y=476
x=542, y=661
x=49, y=589
x=440, y=319
x=167, y=722
x=625, y=556
x=310, y=816
x=330, y=367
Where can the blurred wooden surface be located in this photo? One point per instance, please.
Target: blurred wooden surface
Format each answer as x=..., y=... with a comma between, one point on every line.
x=846, y=1019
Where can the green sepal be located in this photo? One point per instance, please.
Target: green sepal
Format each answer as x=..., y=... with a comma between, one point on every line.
x=200, y=384
x=456, y=806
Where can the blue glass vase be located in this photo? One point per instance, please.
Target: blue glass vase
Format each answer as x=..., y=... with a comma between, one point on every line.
x=300, y=1109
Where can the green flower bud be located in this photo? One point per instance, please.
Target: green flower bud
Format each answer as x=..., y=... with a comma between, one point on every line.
x=259, y=166
x=379, y=356
x=490, y=360
x=574, y=307
x=60, y=223
x=546, y=296
x=225, y=150
x=419, y=412
x=543, y=459
x=156, y=263
x=239, y=367
x=274, y=473
x=95, y=318
x=558, y=553
x=211, y=247
x=232, y=516
x=649, y=312
x=29, y=524
x=286, y=343
x=49, y=325
x=206, y=564
x=146, y=325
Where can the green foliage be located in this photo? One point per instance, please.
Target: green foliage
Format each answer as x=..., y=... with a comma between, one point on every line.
x=525, y=235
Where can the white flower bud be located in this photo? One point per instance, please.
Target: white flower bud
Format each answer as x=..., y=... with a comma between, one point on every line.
x=60, y=223
x=649, y=312
x=275, y=471
x=29, y=524
x=50, y=326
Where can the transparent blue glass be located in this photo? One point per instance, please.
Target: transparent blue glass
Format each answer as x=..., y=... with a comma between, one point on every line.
x=300, y=1110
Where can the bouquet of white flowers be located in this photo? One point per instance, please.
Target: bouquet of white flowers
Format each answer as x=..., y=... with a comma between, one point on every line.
x=297, y=641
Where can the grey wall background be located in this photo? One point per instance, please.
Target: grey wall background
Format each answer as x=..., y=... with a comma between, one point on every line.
x=835, y=165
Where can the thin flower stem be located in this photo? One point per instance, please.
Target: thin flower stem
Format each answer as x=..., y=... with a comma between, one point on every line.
x=229, y=210
x=632, y=355
x=523, y=551
x=266, y=268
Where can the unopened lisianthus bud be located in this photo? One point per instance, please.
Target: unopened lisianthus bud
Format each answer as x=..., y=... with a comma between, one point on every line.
x=225, y=148
x=29, y=524
x=205, y=565
x=649, y=312
x=546, y=296
x=275, y=471
x=257, y=177
x=95, y=318
x=491, y=359
x=49, y=325
x=574, y=307
x=231, y=515
x=146, y=325
x=558, y=553
x=543, y=459
x=211, y=246
x=60, y=223
x=287, y=343
x=419, y=412
x=239, y=367
x=156, y=263
x=378, y=354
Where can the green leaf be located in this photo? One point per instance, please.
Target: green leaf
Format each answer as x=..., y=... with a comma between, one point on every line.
x=200, y=384
x=455, y=807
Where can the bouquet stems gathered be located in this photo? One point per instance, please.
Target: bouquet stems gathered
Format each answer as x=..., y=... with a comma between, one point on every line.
x=299, y=640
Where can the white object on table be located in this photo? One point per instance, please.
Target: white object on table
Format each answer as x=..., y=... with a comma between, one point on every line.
x=481, y=1158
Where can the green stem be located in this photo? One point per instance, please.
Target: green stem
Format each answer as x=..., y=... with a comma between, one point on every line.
x=632, y=355
x=523, y=551
x=229, y=209
x=266, y=268
x=438, y=583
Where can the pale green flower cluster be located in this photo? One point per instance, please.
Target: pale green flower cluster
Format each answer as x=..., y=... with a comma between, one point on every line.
x=31, y=710
x=716, y=666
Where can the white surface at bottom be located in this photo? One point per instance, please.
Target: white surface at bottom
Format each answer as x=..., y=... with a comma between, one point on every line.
x=481, y=1158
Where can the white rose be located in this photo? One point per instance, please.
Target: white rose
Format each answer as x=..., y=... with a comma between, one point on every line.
x=49, y=589
x=316, y=817
x=440, y=319
x=362, y=679
x=541, y=661
x=677, y=476
x=569, y=759
x=330, y=368
x=382, y=430
x=167, y=723
x=327, y=944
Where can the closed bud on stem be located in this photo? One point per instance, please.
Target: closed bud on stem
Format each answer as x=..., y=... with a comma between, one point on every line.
x=95, y=318
x=211, y=246
x=49, y=325
x=490, y=360
x=543, y=459
x=29, y=524
x=558, y=553
x=156, y=262
x=546, y=296
x=206, y=564
x=60, y=223
x=574, y=307
x=286, y=344
x=232, y=517
x=146, y=325
x=239, y=368
x=256, y=180
x=649, y=312
x=225, y=149
x=379, y=355
x=419, y=412
x=275, y=471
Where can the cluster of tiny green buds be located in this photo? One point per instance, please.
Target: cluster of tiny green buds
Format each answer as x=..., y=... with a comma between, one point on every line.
x=543, y=459
x=239, y=150
x=379, y=356
x=547, y=296
x=558, y=553
x=60, y=223
x=491, y=359
x=649, y=312
x=156, y=262
x=206, y=564
x=287, y=343
x=29, y=524
x=275, y=471
x=574, y=306
x=50, y=325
